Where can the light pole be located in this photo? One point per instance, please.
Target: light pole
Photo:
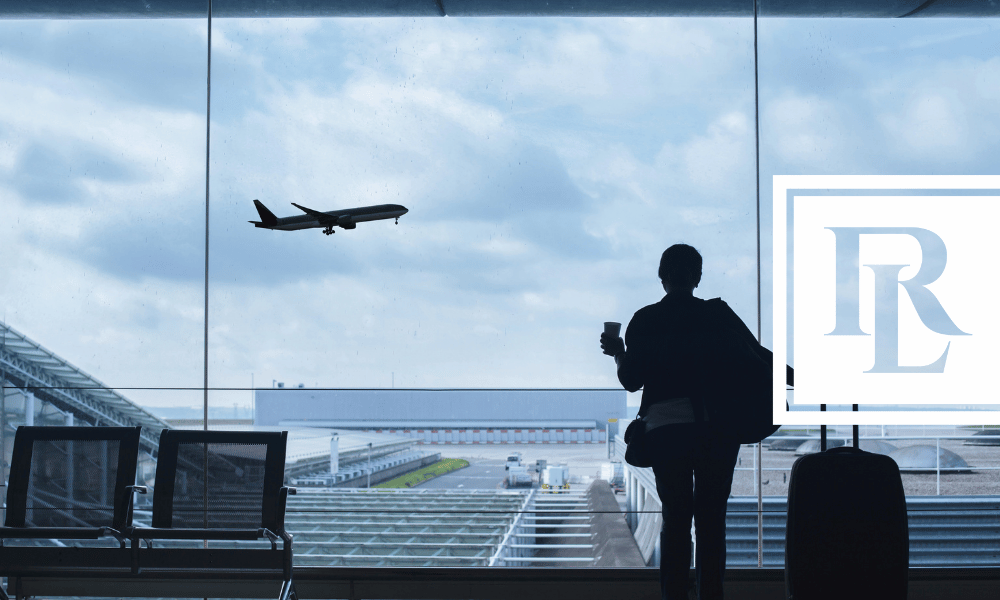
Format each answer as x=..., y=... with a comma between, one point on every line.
x=369, y=465
x=611, y=442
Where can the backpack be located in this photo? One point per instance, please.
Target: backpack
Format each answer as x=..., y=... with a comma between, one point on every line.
x=736, y=377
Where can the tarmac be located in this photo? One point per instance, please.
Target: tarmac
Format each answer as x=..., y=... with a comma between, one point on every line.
x=584, y=460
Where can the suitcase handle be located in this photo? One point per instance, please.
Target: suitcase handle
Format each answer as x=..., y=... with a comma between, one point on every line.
x=822, y=430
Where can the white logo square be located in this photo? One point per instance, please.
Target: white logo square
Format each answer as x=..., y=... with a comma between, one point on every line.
x=884, y=284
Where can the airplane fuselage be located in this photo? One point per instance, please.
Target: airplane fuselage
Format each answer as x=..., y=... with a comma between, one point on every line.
x=347, y=218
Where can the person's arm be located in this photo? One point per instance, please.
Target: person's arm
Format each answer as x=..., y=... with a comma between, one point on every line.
x=630, y=361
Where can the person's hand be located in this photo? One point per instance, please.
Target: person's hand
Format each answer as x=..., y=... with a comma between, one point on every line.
x=612, y=346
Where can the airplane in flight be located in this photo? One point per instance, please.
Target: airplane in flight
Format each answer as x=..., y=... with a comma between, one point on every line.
x=347, y=218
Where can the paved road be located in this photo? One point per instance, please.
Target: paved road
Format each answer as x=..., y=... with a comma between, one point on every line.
x=484, y=475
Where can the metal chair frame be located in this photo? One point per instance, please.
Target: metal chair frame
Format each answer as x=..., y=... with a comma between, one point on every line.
x=215, y=563
x=18, y=562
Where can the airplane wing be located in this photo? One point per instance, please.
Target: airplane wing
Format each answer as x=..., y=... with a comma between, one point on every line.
x=320, y=216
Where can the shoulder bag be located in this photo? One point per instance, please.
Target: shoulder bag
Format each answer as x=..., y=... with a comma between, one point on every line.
x=737, y=381
x=637, y=452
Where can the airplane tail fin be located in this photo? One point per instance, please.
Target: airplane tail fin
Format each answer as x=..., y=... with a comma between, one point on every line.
x=267, y=218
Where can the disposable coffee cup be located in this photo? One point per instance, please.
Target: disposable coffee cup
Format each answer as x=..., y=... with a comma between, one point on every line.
x=612, y=329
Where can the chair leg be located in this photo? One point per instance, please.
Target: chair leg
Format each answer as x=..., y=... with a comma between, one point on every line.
x=287, y=591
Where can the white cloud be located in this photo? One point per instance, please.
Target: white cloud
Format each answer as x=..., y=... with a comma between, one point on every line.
x=125, y=335
x=546, y=163
x=945, y=112
x=927, y=125
x=806, y=131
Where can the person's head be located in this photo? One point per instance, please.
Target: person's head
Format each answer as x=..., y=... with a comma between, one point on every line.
x=680, y=268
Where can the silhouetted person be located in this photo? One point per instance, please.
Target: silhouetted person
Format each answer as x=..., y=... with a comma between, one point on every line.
x=667, y=343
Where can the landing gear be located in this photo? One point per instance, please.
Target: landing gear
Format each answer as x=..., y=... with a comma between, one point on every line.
x=397, y=220
x=328, y=230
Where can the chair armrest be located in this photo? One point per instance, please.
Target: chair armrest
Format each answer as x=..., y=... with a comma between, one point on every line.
x=118, y=535
x=271, y=536
x=154, y=533
x=286, y=537
x=129, y=500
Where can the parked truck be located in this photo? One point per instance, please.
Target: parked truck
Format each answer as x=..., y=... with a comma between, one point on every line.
x=513, y=460
x=556, y=477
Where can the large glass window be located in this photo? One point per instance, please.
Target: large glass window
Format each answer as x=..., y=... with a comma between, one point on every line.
x=545, y=165
x=102, y=136
x=103, y=129
x=881, y=97
x=537, y=168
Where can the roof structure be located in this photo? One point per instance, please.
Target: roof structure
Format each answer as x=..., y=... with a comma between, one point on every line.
x=435, y=528
x=401, y=527
x=432, y=528
x=483, y=8
x=28, y=366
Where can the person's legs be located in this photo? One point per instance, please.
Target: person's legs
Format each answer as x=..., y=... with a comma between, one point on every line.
x=713, y=476
x=673, y=468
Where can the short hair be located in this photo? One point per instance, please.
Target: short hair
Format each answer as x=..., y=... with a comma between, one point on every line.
x=681, y=266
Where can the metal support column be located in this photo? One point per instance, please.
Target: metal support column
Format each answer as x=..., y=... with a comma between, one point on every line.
x=629, y=503
x=70, y=467
x=640, y=505
x=3, y=446
x=29, y=409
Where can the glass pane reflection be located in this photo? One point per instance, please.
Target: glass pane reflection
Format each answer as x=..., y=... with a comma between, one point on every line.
x=545, y=163
x=842, y=96
x=102, y=187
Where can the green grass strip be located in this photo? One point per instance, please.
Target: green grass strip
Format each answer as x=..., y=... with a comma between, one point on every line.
x=415, y=478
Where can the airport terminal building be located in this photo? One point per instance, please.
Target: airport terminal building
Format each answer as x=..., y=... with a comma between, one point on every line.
x=451, y=416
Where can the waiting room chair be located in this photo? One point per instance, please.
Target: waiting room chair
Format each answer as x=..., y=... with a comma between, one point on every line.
x=221, y=486
x=68, y=483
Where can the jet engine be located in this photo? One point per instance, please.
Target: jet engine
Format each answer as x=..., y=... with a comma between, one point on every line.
x=346, y=222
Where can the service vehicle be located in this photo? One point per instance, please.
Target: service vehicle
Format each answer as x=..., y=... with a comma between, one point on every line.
x=518, y=476
x=513, y=460
x=556, y=477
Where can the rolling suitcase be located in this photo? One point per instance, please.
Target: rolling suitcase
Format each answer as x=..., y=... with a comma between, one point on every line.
x=846, y=535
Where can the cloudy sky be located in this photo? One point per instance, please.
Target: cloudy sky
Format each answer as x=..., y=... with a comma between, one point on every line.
x=546, y=164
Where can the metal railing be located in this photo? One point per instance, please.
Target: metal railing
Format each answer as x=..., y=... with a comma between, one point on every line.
x=945, y=531
x=937, y=469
